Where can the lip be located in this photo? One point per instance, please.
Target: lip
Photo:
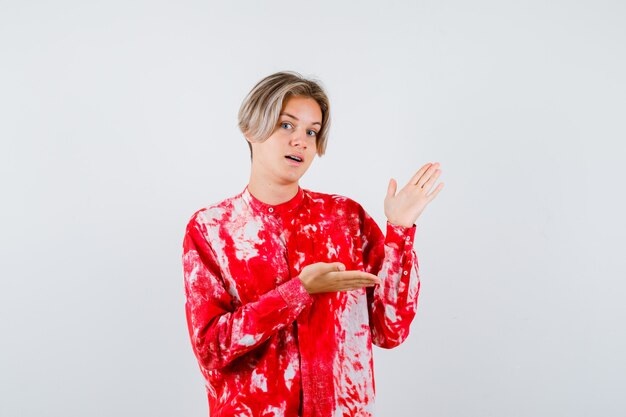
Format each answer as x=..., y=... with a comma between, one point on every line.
x=295, y=163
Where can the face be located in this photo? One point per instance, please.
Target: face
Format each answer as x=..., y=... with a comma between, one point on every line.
x=287, y=154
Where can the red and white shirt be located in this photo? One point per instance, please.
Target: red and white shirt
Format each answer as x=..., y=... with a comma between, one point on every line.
x=265, y=346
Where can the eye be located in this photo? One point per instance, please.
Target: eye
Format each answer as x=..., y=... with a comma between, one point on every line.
x=285, y=125
x=312, y=133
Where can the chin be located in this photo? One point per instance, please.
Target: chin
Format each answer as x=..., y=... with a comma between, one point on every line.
x=292, y=178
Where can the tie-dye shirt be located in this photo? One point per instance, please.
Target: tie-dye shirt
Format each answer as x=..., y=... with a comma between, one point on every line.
x=265, y=346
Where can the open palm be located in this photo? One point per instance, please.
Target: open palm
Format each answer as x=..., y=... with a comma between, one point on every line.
x=405, y=207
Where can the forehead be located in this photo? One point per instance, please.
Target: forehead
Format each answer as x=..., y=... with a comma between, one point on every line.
x=303, y=108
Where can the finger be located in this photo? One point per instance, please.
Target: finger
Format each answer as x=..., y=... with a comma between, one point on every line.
x=432, y=195
x=364, y=280
x=419, y=173
x=429, y=184
x=347, y=281
x=427, y=174
x=350, y=289
x=362, y=284
x=353, y=286
x=356, y=275
x=391, y=188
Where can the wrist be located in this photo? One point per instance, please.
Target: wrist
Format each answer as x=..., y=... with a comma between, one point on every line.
x=294, y=292
x=400, y=223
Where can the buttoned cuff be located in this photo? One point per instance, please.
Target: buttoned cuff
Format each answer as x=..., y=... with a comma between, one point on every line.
x=294, y=293
x=400, y=237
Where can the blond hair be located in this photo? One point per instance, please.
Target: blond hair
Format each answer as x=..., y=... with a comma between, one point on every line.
x=260, y=110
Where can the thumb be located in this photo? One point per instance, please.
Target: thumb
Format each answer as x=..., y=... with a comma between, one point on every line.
x=336, y=266
x=391, y=188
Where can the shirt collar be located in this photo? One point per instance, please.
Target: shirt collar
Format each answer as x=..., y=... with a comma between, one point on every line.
x=281, y=208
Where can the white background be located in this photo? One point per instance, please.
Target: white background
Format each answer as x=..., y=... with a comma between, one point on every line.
x=118, y=121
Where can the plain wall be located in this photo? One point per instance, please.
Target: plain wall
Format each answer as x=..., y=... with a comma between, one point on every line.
x=118, y=121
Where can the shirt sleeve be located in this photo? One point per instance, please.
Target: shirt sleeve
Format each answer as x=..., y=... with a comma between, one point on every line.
x=393, y=303
x=219, y=332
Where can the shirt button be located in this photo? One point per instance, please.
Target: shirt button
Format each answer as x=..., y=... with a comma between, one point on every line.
x=408, y=239
x=271, y=209
x=405, y=272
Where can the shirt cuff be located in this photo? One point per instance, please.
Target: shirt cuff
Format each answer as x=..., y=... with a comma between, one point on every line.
x=399, y=237
x=294, y=293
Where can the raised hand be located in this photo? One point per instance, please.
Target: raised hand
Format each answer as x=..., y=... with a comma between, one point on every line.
x=404, y=208
x=331, y=277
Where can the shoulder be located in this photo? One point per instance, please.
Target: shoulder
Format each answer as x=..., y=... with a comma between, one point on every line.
x=340, y=205
x=216, y=214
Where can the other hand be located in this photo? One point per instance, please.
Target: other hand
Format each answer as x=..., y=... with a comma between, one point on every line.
x=332, y=277
x=404, y=208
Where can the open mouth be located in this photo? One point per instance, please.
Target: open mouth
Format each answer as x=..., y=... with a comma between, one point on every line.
x=294, y=158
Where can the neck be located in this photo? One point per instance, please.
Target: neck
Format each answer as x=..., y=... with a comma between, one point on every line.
x=272, y=193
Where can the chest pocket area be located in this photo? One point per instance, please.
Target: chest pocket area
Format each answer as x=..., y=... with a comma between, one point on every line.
x=336, y=242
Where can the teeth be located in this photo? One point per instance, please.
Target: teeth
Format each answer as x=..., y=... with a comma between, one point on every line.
x=295, y=158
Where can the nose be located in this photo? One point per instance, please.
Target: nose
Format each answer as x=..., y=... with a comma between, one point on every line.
x=299, y=139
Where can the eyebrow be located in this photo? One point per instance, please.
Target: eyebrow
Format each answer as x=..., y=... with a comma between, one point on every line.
x=294, y=117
